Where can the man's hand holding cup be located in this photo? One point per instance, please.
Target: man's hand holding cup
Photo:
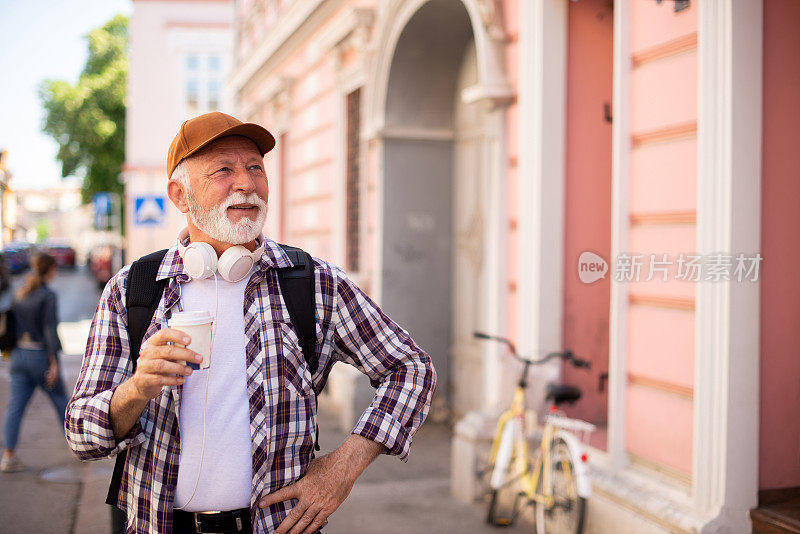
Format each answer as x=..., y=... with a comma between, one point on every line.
x=162, y=362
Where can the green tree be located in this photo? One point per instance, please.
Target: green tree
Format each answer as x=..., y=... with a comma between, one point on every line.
x=87, y=119
x=42, y=230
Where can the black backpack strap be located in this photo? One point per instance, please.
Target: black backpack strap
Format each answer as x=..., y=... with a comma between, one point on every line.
x=299, y=293
x=297, y=287
x=141, y=300
x=142, y=297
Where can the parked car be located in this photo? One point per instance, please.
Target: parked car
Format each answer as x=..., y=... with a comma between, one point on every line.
x=17, y=257
x=103, y=263
x=62, y=252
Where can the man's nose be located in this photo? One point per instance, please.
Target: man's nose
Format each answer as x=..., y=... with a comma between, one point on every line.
x=243, y=182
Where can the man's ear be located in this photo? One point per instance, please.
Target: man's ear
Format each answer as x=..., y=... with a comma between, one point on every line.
x=177, y=194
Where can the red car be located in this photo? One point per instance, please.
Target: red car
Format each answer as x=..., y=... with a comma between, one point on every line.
x=102, y=263
x=63, y=254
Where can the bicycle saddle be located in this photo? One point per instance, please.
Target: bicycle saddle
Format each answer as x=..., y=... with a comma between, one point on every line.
x=560, y=393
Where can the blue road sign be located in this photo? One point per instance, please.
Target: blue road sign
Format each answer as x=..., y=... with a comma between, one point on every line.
x=149, y=210
x=103, y=204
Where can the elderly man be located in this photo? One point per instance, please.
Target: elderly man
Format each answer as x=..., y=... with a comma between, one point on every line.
x=229, y=448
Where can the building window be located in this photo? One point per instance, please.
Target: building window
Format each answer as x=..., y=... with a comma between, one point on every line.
x=213, y=94
x=203, y=75
x=352, y=195
x=192, y=96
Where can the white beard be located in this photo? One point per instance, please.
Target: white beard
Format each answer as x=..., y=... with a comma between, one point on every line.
x=216, y=224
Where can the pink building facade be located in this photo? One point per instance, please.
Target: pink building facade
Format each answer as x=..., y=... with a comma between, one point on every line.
x=459, y=157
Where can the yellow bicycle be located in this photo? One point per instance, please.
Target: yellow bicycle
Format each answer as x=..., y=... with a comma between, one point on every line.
x=556, y=481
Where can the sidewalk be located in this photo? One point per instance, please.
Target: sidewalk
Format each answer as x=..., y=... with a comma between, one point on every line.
x=61, y=495
x=392, y=497
x=57, y=494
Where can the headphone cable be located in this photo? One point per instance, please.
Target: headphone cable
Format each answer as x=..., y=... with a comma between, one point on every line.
x=205, y=400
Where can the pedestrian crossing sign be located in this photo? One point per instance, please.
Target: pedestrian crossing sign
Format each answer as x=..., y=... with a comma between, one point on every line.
x=149, y=210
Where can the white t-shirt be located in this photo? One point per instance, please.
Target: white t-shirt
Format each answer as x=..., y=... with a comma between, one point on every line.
x=226, y=476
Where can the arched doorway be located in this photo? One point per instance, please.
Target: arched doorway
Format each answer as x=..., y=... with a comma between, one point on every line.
x=437, y=156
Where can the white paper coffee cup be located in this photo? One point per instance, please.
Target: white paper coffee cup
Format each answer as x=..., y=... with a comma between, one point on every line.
x=197, y=324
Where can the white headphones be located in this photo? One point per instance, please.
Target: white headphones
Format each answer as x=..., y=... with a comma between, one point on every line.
x=200, y=259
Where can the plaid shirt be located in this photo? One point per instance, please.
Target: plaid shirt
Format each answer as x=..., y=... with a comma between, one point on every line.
x=281, y=391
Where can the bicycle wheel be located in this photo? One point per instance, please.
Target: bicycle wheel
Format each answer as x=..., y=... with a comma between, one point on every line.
x=567, y=514
x=505, y=491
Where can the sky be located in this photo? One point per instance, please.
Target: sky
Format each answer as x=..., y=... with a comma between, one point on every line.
x=41, y=39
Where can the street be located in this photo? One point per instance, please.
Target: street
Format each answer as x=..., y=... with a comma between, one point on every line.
x=59, y=494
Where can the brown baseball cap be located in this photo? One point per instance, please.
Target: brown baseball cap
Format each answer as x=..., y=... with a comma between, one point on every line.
x=200, y=131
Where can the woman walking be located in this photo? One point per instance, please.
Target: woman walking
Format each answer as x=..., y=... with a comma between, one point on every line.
x=34, y=361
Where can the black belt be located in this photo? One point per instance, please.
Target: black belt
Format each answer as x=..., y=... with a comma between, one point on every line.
x=212, y=522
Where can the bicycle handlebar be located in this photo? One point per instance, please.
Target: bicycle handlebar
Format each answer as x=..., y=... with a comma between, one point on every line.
x=511, y=346
x=567, y=355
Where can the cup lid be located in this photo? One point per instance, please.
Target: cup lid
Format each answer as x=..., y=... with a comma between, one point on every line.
x=190, y=318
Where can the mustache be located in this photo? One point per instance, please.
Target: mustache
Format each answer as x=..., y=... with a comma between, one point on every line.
x=241, y=198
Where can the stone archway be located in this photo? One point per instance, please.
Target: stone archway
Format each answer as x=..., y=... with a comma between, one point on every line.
x=437, y=75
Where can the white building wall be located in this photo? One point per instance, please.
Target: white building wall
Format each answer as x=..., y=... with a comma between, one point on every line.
x=162, y=35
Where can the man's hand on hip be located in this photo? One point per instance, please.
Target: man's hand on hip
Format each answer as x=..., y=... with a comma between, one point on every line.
x=325, y=486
